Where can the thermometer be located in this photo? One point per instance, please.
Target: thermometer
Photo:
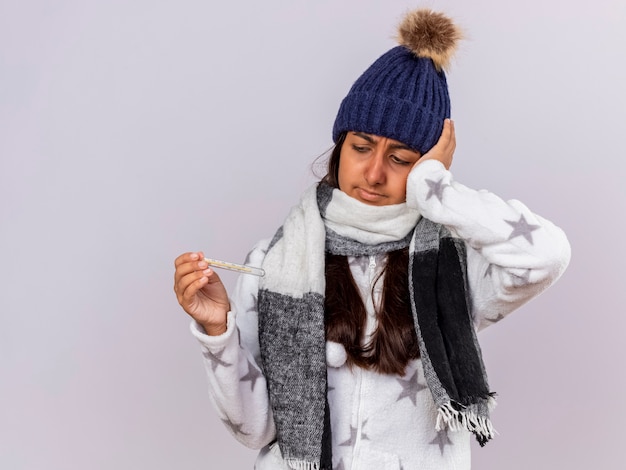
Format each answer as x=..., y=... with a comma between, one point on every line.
x=240, y=268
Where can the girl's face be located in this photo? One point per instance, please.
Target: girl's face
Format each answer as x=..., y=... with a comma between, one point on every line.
x=374, y=169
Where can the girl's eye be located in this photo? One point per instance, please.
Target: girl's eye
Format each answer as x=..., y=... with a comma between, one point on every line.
x=359, y=149
x=398, y=160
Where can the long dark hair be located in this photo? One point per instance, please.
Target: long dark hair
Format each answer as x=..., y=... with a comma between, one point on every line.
x=394, y=343
x=332, y=174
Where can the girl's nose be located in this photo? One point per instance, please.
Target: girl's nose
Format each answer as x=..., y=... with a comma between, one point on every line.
x=375, y=171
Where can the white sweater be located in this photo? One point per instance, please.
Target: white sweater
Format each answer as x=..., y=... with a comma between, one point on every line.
x=388, y=421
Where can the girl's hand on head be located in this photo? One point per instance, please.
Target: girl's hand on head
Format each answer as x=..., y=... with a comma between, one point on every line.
x=444, y=148
x=201, y=292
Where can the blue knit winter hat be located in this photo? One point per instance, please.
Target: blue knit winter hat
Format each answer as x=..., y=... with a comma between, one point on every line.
x=403, y=95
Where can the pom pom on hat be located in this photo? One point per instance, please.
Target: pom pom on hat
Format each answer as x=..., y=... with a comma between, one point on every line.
x=403, y=95
x=430, y=34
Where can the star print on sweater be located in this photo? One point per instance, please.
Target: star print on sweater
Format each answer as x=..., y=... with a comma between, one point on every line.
x=364, y=437
x=215, y=359
x=521, y=279
x=252, y=376
x=253, y=304
x=410, y=388
x=488, y=271
x=436, y=189
x=235, y=428
x=361, y=262
x=442, y=440
x=521, y=228
x=518, y=280
x=340, y=465
x=352, y=439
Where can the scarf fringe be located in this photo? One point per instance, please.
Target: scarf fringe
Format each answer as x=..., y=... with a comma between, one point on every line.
x=454, y=419
x=295, y=464
x=302, y=465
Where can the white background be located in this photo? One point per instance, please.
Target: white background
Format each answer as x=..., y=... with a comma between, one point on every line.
x=132, y=131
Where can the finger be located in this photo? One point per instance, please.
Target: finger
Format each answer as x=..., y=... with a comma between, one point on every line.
x=441, y=148
x=209, y=275
x=214, y=288
x=212, y=276
x=446, y=134
x=188, y=257
x=443, y=142
x=193, y=283
x=187, y=287
x=452, y=135
x=189, y=262
x=186, y=268
x=185, y=258
x=452, y=143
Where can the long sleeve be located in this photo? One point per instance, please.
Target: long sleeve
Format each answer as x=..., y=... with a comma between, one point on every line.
x=512, y=254
x=237, y=386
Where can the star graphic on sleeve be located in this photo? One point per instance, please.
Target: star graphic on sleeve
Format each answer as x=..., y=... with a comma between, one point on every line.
x=521, y=279
x=252, y=376
x=364, y=437
x=340, y=466
x=352, y=439
x=235, y=428
x=436, y=189
x=253, y=305
x=215, y=359
x=442, y=440
x=522, y=228
x=410, y=388
x=488, y=271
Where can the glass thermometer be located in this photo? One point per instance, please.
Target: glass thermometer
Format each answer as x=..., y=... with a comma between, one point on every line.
x=240, y=268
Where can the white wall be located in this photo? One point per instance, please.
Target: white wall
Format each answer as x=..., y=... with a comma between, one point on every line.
x=131, y=131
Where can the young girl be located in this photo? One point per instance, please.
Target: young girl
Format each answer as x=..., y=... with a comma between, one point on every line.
x=358, y=349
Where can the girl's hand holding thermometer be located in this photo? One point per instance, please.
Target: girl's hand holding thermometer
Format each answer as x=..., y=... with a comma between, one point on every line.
x=201, y=293
x=240, y=268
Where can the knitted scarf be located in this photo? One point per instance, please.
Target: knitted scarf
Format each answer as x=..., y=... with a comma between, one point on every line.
x=291, y=317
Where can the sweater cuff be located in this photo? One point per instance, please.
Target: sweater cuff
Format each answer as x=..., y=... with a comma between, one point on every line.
x=218, y=341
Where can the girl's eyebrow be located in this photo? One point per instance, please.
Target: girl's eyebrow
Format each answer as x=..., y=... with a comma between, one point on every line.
x=400, y=146
x=371, y=140
x=367, y=137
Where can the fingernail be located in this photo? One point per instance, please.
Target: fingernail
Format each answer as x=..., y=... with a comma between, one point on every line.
x=194, y=256
x=207, y=271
